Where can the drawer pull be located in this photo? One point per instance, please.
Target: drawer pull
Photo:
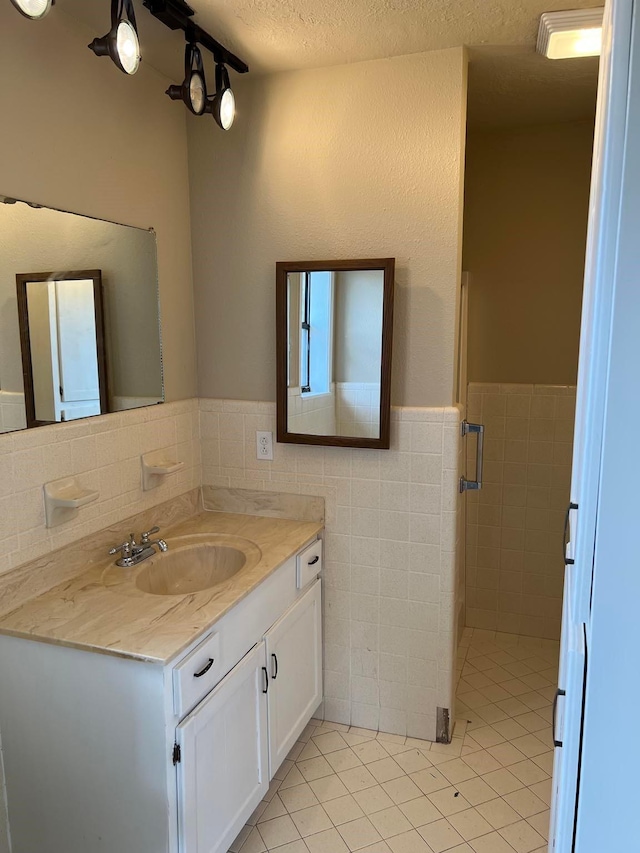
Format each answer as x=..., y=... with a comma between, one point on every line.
x=266, y=679
x=314, y=561
x=274, y=673
x=205, y=670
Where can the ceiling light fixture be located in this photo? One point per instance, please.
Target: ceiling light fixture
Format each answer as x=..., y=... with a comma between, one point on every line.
x=33, y=9
x=121, y=42
x=567, y=35
x=223, y=104
x=193, y=90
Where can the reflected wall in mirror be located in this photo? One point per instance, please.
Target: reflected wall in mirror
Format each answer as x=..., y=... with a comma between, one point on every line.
x=93, y=322
x=334, y=330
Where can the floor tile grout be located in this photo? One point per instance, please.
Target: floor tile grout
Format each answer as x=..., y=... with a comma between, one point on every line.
x=345, y=789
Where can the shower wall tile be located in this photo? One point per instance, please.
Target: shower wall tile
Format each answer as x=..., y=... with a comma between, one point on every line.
x=514, y=525
x=391, y=576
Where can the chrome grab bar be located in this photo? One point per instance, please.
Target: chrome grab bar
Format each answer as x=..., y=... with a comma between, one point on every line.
x=477, y=429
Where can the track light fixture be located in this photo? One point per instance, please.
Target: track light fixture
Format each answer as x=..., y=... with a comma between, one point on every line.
x=193, y=90
x=223, y=104
x=33, y=9
x=121, y=42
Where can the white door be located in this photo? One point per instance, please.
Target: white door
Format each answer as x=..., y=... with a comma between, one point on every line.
x=294, y=658
x=593, y=389
x=223, y=768
x=77, y=343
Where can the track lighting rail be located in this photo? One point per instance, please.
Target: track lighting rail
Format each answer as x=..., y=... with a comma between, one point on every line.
x=177, y=15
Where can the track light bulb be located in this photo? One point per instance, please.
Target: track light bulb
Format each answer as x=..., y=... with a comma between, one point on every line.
x=223, y=104
x=121, y=42
x=193, y=90
x=33, y=9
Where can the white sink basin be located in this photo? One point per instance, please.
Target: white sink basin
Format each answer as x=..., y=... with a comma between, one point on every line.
x=192, y=564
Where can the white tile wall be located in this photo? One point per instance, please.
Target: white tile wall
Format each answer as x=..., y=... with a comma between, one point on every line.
x=514, y=562
x=358, y=408
x=104, y=453
x=392, y=530
x=313, y=414
x=390, y=575
x=12, y=411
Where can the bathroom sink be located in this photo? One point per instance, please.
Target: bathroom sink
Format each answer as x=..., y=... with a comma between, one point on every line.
x=191, y=564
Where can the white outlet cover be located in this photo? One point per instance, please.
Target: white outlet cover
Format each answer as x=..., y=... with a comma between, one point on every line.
x=264, y=445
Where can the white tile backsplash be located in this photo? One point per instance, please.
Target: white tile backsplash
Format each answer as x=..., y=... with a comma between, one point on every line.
x=391, y=538
x=392, y=571
x=104, y=453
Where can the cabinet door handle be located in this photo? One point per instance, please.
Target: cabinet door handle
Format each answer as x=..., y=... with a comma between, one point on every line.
x=274, y=672
x=567, y=560
x=559, y=693
x=314, y=561
x=266, y=680
x=204, y=670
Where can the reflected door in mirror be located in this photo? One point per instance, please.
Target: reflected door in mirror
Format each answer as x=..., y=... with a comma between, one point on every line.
x=62, y=340
x=334, y=327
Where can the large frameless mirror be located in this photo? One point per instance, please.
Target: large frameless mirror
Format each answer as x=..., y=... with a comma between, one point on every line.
x=334, y=333
x=79, y=317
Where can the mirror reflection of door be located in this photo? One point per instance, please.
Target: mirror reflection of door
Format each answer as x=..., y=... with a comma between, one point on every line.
x=335, y=323
x=62, y=340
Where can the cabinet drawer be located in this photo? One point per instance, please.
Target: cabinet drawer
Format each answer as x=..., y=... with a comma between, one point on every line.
x=309, y=564
x=194, y=677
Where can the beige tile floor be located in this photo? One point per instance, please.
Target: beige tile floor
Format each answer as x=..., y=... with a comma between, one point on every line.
x=347, y=789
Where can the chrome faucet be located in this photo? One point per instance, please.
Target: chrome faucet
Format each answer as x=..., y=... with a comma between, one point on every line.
x=134, y=552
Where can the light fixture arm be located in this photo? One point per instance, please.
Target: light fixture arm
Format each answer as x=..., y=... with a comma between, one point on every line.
x=178, y=15
x=222, y=77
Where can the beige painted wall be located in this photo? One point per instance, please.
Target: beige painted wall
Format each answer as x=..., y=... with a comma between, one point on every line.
x=356, y=161
x=358, y=326
x=79, y=135
x=525, y=223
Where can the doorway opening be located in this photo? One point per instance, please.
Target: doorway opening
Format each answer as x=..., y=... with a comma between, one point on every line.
x=527, y=181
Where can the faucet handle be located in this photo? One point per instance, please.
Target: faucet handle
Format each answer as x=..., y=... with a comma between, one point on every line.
x=145, y=536
x=125, y=548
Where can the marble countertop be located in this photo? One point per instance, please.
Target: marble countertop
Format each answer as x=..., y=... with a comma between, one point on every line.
x=95, y=612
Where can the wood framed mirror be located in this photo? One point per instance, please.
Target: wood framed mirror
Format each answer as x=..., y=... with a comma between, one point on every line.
x=62, y=341
x=334, y=329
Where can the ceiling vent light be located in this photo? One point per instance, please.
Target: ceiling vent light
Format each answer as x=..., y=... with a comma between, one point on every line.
x=223, y=104
x=193, y=90
x=33, y=9
x=121, y=42
x=567, y=35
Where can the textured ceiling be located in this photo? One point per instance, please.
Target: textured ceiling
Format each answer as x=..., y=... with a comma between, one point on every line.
x=280, y=35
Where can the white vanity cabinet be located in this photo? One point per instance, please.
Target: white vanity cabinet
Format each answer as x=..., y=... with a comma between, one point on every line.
x=223, y=770
x=233, y=741
x=294, y=656
x=104, y=754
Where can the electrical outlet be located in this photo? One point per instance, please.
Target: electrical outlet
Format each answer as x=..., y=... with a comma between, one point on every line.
x=264, y=445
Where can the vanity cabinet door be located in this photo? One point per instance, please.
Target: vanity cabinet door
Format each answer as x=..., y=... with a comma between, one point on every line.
x=294, y=660
x=223, y=768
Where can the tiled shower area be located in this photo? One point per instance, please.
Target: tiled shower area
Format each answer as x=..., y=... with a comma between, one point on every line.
x=514, y=527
